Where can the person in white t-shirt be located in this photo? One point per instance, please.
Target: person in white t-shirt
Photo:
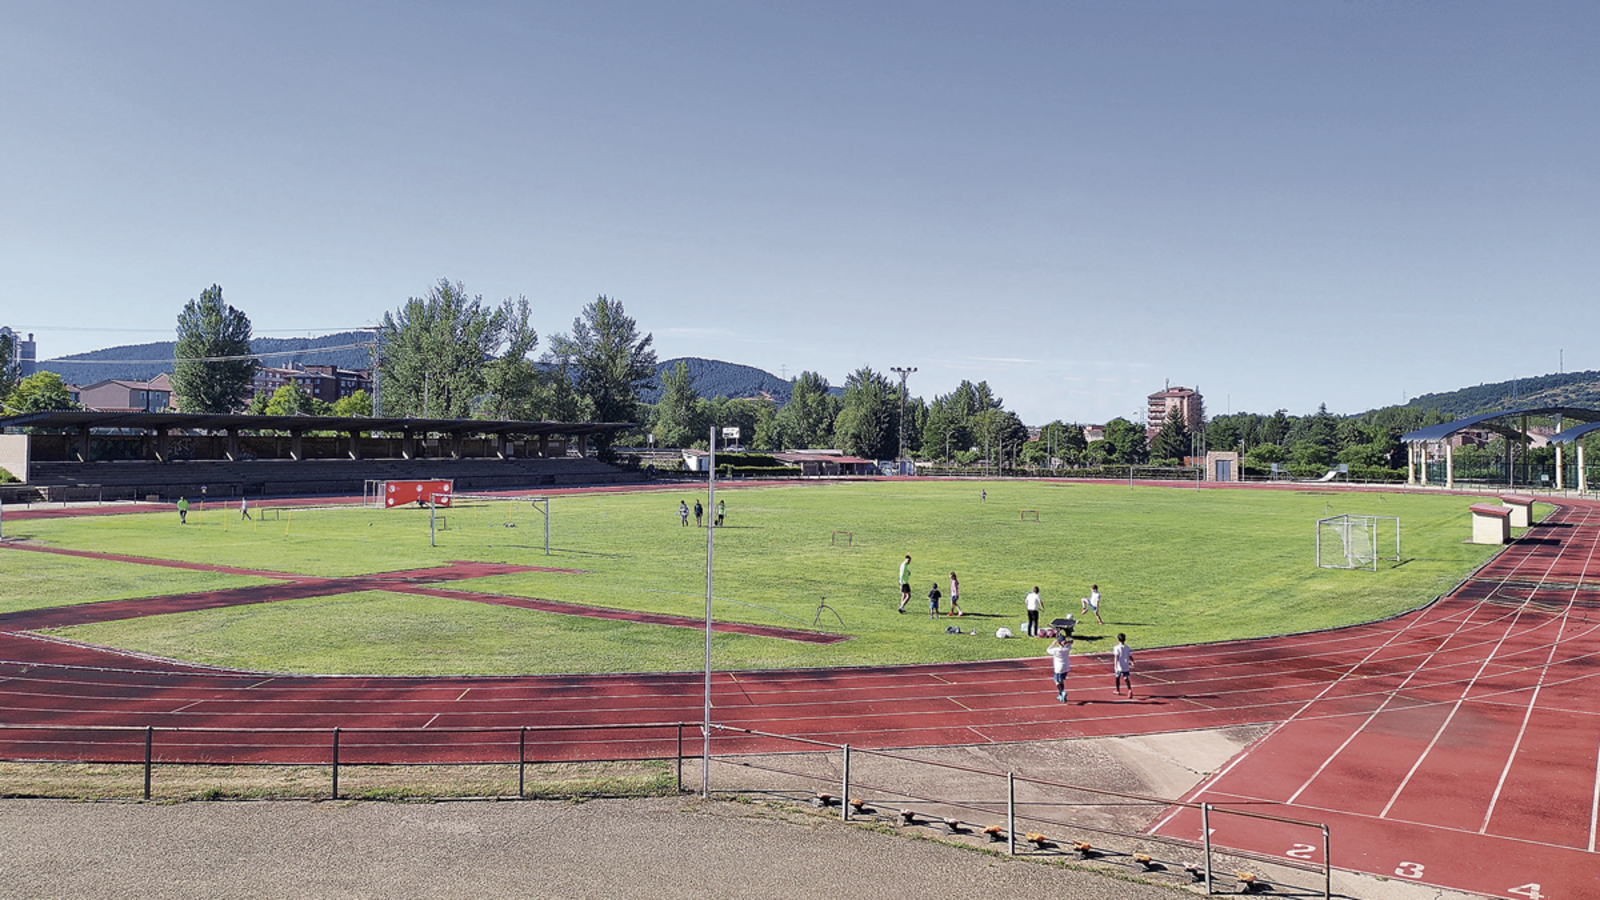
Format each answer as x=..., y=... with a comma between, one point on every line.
x=1032, y=603
x=1091, y=603
x=1122, y=665
x=1061, y=661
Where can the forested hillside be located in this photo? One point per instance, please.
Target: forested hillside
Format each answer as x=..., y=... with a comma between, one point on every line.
x=141, y=362
x=1568, y=389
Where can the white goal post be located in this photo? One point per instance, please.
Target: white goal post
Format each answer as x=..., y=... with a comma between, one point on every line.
x=458, y=505
x=1357, y=542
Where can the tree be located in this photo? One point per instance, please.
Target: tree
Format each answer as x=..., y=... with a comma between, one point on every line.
x=213, y=364
x=39, y=392
x=865, y=425
x=292, y=400
x=357, y=404
x=678, y=420
x=806, y=421
x=610, y=362
x=437, y=352
x=1125, y=442
x=1172, y=441
x=513, y=380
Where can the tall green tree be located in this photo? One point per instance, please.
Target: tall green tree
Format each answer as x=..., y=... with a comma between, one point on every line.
x=679, y=420
x=806, y=421
x=213, y=363
x=1172, y=442
x=513, y=380
x=437, y=353
x=865, y=425
x=609, y=361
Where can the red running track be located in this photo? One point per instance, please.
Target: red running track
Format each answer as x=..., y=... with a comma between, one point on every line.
x=1456, y=746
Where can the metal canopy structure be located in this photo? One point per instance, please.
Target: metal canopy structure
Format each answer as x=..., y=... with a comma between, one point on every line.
x=1512, y=424
x=77, y=420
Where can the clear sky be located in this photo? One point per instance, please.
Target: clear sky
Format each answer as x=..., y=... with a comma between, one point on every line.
x=1283, y=204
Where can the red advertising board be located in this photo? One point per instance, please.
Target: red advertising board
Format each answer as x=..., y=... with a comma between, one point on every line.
x=400, y=493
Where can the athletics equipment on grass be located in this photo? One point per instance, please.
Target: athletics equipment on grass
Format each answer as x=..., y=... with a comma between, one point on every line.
x=1356, y=542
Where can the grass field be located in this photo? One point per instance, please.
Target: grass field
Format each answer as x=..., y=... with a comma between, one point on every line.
x=1175, y=565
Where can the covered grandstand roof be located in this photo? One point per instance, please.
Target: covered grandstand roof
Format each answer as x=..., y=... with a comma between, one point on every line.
x=75, y=420
x=1490, y=421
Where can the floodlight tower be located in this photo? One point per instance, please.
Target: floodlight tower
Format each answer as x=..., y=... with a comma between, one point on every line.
x=902, y=372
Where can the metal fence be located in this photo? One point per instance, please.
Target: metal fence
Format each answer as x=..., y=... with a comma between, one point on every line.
x=1025, y=814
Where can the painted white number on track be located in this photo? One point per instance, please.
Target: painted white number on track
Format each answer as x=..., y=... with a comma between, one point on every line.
x=1531, y=891
x=1302, y=851
x=1409, y=870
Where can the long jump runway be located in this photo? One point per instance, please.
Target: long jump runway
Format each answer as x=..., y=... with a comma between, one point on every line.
x=1456, y=746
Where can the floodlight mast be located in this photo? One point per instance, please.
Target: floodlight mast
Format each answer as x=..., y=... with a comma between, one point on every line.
x=902, y=371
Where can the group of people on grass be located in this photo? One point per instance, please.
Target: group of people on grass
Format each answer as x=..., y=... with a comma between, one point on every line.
x=700, y=513
x=934, y=594
x=1060, y=651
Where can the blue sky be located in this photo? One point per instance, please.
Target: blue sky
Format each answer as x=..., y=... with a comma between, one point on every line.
x=1282, y=204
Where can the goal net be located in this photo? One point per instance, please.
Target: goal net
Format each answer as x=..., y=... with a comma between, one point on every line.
x=487, y=521
x=1357, y=542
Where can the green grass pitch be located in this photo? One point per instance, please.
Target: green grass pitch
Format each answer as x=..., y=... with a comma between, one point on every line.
x=1175, y=566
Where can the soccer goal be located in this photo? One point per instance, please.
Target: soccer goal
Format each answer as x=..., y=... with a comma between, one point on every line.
x=489, y=519
x=1357, y=542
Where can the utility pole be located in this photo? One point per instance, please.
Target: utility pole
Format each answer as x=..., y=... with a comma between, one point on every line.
x=902, y=372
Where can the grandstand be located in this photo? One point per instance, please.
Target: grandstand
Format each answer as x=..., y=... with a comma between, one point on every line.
x=112, y=456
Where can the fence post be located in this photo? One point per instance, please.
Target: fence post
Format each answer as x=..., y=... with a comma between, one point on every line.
x=844, y=793
x=522, y=761
x=336, y=763
x=149, y=739
x=1205, y=835
x=680, y=757
x=1327, y=864
x=1011, y=813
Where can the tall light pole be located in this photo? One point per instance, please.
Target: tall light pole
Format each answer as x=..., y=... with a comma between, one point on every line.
x=902, y=372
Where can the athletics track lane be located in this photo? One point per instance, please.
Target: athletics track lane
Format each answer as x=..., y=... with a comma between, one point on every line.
x=1478, y=771
x=1456, y=745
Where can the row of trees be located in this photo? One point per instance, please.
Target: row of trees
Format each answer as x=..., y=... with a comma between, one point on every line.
x=446, y=355
x=449, y=354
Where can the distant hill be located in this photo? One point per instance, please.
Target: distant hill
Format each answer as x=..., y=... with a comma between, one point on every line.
x=141, y=362
x=714, y=378
x=1567, y=389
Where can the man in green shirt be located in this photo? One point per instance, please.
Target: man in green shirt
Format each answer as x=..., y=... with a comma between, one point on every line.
x=183, y=510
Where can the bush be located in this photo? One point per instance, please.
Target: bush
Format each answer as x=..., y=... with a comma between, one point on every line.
x=8, y=478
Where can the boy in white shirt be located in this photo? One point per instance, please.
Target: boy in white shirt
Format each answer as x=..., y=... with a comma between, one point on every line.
x=1061, y=660
x=1122, y=665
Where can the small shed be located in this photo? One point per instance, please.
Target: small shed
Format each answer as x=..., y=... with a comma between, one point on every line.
x=1490, y=524
x=1521, y=507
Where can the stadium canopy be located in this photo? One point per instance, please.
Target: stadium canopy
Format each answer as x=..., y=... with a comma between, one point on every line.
x=78, y=420
x=157, y=431
x=1512, y=424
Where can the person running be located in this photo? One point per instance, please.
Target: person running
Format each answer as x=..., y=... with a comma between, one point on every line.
x=183, y=510
x=1032, y=604
x=1061, y=661
x=955, y=596
x=1122, y=665
x=244, y=509
x=699, y=514
x=905, y=582
x=683, y=513
x=933, y=600
x=1091, y=603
